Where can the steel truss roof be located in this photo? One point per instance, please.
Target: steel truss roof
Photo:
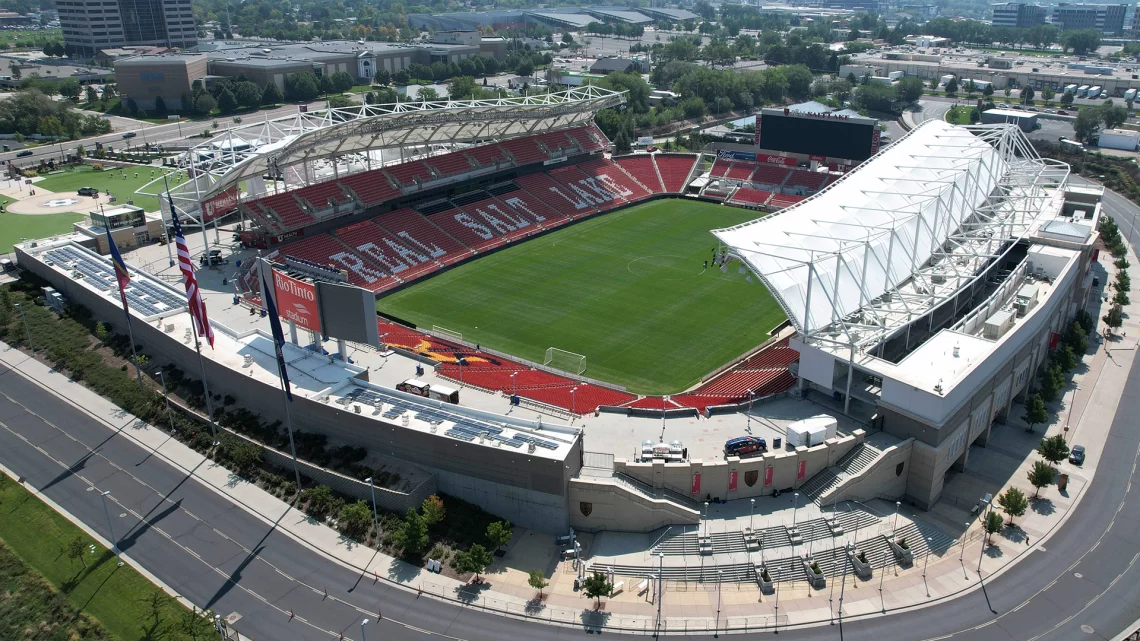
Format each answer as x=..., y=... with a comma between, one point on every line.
x=902, y=233
x=277, y=144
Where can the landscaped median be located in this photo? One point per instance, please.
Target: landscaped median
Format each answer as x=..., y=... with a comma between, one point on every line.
x=56, y=582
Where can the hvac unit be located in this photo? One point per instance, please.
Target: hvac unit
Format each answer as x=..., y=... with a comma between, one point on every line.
x=998, y=324
x=1026, y=299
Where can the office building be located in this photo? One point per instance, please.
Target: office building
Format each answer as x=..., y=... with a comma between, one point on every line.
x=1105, y=18
x=91, y=25
x=1019, y=15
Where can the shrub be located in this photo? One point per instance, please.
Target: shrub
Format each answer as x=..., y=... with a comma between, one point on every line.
x=902, y=544
x=319, y=500
x=815, y=568
x=355, y=520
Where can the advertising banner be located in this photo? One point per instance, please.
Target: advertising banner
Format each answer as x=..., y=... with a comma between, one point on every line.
x=768, y=476
x=802, y=471
x=875, y=141
x=817, y=158
x=756, y=132
x=220, y=204
x=778, y=160
x=696, y=484
x=728, y=154
x=732, y=481
x=297, y=301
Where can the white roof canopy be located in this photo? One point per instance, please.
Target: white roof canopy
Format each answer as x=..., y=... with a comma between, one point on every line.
x=940, y=190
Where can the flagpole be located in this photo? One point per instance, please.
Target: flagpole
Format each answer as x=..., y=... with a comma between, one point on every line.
x=123, y=297
x=205, y=387
x=165, y=227
x=282, y=375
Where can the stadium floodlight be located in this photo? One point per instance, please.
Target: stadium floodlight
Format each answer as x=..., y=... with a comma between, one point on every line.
x=565, y=361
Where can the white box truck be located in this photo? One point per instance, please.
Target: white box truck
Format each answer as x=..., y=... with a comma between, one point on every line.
x=1070, y=89
x=1082, y=91
x=1094, y=92
x=812, y=431
x=1130, y=94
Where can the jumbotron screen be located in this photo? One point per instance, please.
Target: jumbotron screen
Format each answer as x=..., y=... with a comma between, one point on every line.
x=853, y=139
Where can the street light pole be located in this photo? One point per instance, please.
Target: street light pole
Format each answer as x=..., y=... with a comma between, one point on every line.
x=26, y=329
x=1072, y=401
x=776, y=623
x=375, y=518
x=719, y=576
x=110, y=528
x=895, y=527
x=660, y=584
x=795, y=507
x=751, y=510
x=926, y=564
x=843, y=587
x=362, y=624
x=989, y=508
x=165, y=396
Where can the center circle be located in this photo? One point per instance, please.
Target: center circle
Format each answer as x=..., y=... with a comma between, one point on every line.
x=666, y=267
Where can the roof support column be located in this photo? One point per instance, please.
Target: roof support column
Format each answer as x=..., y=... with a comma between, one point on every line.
x=807, y=300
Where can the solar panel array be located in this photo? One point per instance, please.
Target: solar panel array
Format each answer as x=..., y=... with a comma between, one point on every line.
x=464, y=428
x=144, y=295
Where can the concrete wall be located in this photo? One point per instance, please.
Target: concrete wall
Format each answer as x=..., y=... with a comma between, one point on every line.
x=165, y=77
x=881, y=477
x=715, y=476
x=505, y=482
x=601, y=504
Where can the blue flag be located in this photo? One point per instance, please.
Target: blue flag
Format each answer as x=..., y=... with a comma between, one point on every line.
x=269, y=299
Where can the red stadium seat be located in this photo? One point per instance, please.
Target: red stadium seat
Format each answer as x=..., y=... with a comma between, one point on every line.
x=720, y=168
x=450, y=164
x=370, y=187
x=409, y=174
x=557, y=195
x=749, y=196
x=643, y=170
x=740, y=170
x=530, y=205
x=471, y=229
x=286, y=209
x=612, y=175
x=524, y=150
x=599, y=192
x=325, y=250
x=386, y=251
x=418, y=232
x=774, y=175
x=322, y=196
x=812, y=180
x=780, y=201
x=488, y=155
x=675, y=171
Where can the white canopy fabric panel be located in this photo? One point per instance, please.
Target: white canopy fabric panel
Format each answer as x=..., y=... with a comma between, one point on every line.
x=831, y=254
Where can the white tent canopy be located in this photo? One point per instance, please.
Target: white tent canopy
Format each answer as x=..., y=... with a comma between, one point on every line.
x=831, y=255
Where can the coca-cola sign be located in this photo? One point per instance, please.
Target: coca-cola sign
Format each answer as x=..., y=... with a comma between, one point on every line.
x=297, y=301
x=779, y=160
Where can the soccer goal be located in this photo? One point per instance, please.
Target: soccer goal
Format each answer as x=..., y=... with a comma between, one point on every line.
x=564, y=360
x=443, y=332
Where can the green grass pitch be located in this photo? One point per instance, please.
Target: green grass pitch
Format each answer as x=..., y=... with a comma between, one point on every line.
x=626, y=289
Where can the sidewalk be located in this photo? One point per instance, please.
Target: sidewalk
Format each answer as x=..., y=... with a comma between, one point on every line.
x=688, y=606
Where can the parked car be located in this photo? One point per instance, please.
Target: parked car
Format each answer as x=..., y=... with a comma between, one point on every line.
x=1077, y=455
x=88, y=191
x=1031, y=108
x=1050, y=111
x=129, y=134
x=744, y=446
x=24, y=153
x=1062, y=112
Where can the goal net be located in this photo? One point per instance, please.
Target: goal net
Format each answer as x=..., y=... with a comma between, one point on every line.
x=564, y=360
x=443, y=332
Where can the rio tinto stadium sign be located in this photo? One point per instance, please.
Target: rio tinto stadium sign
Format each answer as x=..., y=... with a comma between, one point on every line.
x=297, y=301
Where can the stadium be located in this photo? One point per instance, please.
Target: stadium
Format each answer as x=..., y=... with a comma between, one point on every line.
x=636, y=299
x=411, y=202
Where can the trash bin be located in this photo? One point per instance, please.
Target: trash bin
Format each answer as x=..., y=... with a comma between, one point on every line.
x=777, y=443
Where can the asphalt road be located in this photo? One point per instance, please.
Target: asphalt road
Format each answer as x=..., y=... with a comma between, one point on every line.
x=1083, y=585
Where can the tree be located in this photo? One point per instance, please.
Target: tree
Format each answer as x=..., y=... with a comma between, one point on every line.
x=91, y=95
x=621, y=142
x=538, y=581
x=132, y=106
x=1121, y=298
x=993, y=525
x=1113, y=116
x=1035, y=412
x=970, y=86
x=75, y=550
x=951, y=86
x=401, y=77
x=1027, y=95
x=474, y=559
x=462, y=87
x=248, y=93
x=988, y=91
x=302, y=86
x=499, y=534
x=596, y=587
x=272, y=94
x=1081, y=41
x=433, y=510
x=205, y=104
x=525, y=68
x=1066, y=99
x=1041, y=476
x=197, y=624
x=1087, y=124
x=875, y=97
x=909, y=89
x=1013, y=503
x=1053, y=449
x=320, y=500
x=341, y=81
x=412, y=536
x=382, y=77
x=354, y=520
x=1114, y=318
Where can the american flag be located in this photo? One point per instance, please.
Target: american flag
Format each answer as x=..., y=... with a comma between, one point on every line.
x=121, y=272
x=193, y=294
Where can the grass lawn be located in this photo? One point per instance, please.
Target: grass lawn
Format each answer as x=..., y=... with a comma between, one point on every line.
x=84, y=176
x=958, y=115
x=627, y=289
x=13, y=227
x=118, y=598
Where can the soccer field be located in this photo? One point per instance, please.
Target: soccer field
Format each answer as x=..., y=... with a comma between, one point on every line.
x=626, y=289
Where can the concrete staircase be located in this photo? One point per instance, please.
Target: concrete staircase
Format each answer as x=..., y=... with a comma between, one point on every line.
x=732, y=573
x=853, y=462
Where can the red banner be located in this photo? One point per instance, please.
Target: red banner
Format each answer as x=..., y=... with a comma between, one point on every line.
x=221, y=204
x=1054, y=338
x=818, y=158
x=875, y=141
x=696, y=484
x=777, y=160
x=1096, y=254
x=802, y=471
x=732, y=481
x=297, y=301
x=768, y=476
